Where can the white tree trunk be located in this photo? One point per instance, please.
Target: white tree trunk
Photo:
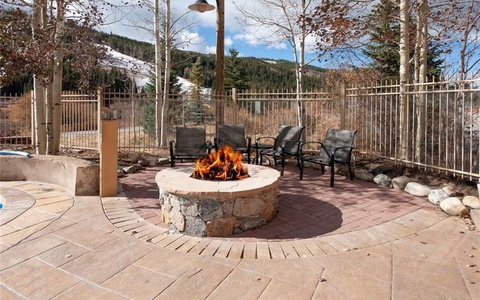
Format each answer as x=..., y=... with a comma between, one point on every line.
x=422, y=29
x=166, y=89
x=404, y=76
x=57, y=79
x=39, y=19
x=158, y=74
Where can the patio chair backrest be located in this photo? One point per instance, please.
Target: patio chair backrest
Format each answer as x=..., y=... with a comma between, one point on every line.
x=339, y=138
x=288, y=133
x=191, y=140
x=232, y=135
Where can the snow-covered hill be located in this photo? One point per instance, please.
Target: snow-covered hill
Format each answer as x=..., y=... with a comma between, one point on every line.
x=141, y=72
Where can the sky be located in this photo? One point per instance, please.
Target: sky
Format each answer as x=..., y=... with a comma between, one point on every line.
x=197, y=31
x=201, y=37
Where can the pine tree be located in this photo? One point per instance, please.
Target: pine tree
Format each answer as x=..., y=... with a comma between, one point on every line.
x=384, y=36
x=148, y=118
x=234, y=77
x=196, y=76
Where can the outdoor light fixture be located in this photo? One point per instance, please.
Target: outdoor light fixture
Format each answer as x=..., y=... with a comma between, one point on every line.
x=201, y=6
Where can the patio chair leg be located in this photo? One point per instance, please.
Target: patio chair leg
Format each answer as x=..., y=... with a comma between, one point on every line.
x=351, y=172
x=332, y=175
x=300, y=166
x=283, y=165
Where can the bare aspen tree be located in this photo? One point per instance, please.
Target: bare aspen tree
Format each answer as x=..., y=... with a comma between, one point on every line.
x=168, y=67
x=469, y=59
x=420, y=73
x=53, y=144
x=42, y=54
x=287, y=22
x=163, y=40
x=38, y=24
x=404, y=74
x=158, y=71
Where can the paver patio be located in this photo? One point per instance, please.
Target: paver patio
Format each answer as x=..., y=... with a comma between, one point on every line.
x=376, y=243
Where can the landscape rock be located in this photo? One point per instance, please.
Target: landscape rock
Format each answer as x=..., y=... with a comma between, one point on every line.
x=152, y=162
x=133, y=157
x=120, y=173
x=471, y=201
x=450, y=190
x=417, y=189
x=163, y=161
x=364, y=175
x=132, y=169
x=454, y=207
x=382, y=179
x=400, y=182
x=143, y=162
x=437, y=195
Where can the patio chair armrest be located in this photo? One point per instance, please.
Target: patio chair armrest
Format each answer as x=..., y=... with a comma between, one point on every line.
x=303, y=144
x=344, y=147
x=264, y=137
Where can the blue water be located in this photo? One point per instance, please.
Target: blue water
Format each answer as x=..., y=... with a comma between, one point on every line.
x=2, y=201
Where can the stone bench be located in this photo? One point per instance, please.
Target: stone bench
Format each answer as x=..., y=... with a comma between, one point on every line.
x=79, y=176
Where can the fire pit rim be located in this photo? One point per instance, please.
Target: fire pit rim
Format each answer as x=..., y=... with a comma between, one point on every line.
x=260, y=178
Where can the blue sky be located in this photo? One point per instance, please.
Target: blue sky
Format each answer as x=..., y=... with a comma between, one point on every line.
x=202, y=34
x=197, y=31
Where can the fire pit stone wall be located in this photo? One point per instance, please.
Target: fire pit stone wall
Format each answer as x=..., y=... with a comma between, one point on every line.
x=217, y=208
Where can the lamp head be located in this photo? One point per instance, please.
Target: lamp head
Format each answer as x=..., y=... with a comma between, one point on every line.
x=201, y=6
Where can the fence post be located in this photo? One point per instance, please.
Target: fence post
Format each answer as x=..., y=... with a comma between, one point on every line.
x=342, y=105
x=234, y=104
x=100, y=106
x=33, y=136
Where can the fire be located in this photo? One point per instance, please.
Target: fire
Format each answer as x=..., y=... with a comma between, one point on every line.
x=226, y=164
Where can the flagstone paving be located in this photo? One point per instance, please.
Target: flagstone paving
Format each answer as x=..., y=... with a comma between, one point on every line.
x=64, y=247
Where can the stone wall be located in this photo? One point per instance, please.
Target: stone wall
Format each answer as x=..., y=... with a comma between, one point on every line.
x=218, y=217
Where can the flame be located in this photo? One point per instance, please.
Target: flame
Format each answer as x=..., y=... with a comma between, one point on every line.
x=226, y=164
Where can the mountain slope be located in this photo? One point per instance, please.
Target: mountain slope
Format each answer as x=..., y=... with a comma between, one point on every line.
x=259, y=73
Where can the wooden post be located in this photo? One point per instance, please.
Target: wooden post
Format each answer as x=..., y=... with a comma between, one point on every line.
x=109, y=158
x=342, y=105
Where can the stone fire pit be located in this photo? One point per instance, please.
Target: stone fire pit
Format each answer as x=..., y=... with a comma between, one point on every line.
x=205, y=208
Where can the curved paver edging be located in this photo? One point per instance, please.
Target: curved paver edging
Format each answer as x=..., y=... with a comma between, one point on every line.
x=119, y=211
x=50, y=203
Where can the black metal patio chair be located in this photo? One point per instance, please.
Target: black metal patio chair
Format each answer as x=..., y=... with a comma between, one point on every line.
x=234, y=136
x=335, y=149
x=190, y=143
x=285, y=145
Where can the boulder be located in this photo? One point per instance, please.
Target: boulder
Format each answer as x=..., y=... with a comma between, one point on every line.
x=417, y=189
x=132, y=169
x=437, y=195
x=450, y=190
x=163, y=161
x=400, y=182
x=364, y=175
x=382, y=179
x=453, y=206
x=471, y=201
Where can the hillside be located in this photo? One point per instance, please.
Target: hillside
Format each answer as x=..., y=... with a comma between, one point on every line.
x=131, y=57
x=258, y=73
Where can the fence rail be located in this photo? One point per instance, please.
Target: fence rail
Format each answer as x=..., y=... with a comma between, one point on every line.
x=442, y=119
